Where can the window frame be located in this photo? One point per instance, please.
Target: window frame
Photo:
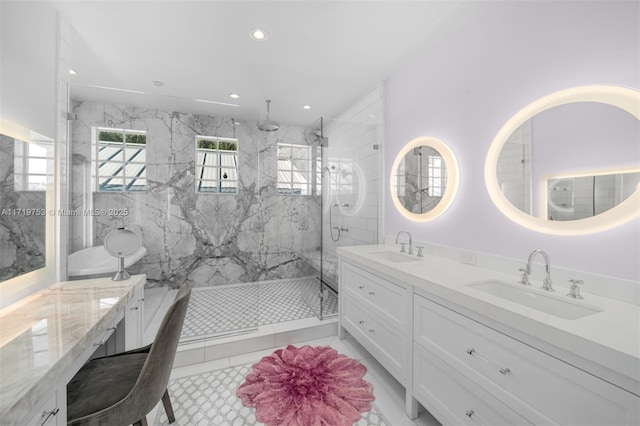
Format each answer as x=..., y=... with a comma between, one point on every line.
x=200, y=169
x=126, y=185
x=436, y=184
x=291, y=183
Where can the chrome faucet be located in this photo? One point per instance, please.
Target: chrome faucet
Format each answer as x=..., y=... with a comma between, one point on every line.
x=526, y=271
x=410, y=245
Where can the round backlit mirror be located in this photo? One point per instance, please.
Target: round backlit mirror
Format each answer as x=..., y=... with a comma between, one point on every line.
x=569, y=163
x=424, y=179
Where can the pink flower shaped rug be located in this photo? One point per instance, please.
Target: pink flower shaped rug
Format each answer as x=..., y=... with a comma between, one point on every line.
x=307, y=386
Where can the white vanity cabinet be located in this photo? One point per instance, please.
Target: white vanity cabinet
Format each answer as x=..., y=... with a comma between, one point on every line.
x=468, y=373
x=377, y=313
x=134, y=320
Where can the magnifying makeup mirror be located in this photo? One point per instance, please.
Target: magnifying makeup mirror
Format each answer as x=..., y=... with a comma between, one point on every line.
x=121, y=243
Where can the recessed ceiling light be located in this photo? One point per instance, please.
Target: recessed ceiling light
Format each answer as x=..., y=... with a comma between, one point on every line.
x=72, y=72
x=258, y=34
x=234, y=95
x=307, y=107
x=157, y=83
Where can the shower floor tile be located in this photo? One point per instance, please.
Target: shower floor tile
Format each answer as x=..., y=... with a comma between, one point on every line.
x=216, y=311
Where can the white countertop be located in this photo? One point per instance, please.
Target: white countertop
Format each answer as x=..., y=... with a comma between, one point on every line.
x=42, y=335
x=610, y=338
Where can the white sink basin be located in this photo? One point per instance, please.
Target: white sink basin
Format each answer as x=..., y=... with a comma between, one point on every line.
x=394, y=256
x=531, y=298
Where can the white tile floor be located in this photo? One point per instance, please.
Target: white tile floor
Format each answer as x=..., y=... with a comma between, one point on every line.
x=388, y=392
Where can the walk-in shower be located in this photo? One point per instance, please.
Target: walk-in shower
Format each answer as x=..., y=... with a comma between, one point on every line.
x=315, y=189
x=287, y=223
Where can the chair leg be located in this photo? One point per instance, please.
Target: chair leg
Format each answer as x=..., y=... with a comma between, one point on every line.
x=167, y=406
x=141, y=422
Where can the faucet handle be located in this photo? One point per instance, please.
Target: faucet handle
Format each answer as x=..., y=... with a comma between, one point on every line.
x=574, y=290
x=402, y=249
x=420, y=251
x=524, y=280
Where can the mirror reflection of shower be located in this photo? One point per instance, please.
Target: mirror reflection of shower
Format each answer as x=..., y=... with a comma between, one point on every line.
x=340, y=229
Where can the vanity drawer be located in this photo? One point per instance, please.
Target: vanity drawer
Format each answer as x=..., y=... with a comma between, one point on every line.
x=48, y=414
x=545, y=389
x=383, y=297
x=384, y=342
x=453, y=398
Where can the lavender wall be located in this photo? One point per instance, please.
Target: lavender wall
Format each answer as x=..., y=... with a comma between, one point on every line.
x=474, y=78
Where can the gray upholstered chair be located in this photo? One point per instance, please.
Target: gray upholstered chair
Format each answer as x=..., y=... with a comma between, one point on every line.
x=122, y=389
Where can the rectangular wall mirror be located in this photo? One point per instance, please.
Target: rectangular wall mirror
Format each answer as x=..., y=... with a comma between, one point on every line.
x=26, y=195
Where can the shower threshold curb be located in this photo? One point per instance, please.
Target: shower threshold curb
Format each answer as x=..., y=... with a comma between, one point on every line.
x=265, y=337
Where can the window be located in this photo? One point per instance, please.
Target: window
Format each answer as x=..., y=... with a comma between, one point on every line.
x=121, y=160
x=33, y=164
x=294, y=169
x=401, y=179
x=437, y=175
x=216, y=165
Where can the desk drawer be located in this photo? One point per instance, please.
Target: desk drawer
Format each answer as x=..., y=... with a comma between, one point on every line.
x=384, y=342
x=385, y=298
x=549, y=389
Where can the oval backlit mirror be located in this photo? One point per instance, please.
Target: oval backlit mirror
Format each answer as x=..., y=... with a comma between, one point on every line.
x=569, y=163
x=424, y=179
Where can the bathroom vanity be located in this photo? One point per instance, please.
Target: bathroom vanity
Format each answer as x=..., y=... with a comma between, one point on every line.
x=47, y=337
x=472, y=353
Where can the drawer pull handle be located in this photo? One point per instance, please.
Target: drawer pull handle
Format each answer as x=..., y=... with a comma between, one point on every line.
x=372, y=293
x=502, y=370
x=106, y=337
x=361, y=322
x=48, y=414
x=361, y=287
x=371, y=330
x=470, y=413
x=135, y=308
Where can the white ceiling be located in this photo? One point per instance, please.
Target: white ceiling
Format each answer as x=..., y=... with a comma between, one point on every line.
x=326, y=54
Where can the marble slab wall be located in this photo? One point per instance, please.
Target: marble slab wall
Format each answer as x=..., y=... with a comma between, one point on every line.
x=210, y=239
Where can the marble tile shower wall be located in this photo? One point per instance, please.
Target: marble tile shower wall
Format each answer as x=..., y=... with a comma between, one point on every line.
x=211, y=239
x=355, y=140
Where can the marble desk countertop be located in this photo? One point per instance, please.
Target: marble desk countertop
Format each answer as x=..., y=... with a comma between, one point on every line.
x=610, y=338
x=42, y=335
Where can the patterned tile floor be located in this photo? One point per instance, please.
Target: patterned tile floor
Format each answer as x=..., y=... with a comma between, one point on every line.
x=209, y=399
x=204, y=394
x=216, y=311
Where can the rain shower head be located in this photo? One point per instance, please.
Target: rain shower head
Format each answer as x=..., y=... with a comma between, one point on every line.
x=268, y=125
